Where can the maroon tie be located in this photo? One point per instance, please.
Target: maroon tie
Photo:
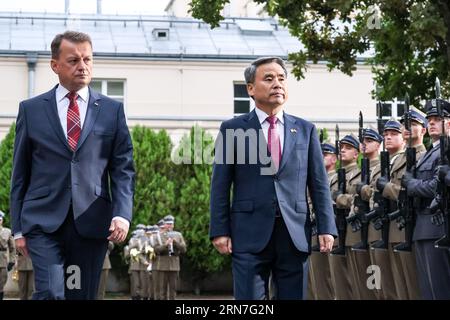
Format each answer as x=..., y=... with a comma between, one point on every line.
x=73, y=121
x=273, y=141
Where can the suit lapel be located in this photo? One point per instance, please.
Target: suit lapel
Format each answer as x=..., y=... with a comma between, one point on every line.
x=426, y=156
x=91, y=115
x=291, y=133
x=52, y=113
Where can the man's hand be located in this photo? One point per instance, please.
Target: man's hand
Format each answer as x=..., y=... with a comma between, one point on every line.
x=442, y=172
x=119, y=231
x=10, y=266
x=222, y=244
x=21, y=246
x=326, y=242
x=381, y=183
x=407, y=177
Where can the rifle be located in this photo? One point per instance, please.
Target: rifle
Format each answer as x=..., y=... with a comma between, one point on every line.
x=358, y=221
x=381, y=205
x=316, y=248
x=406, y=215
x=341, y=214
x=440, y=202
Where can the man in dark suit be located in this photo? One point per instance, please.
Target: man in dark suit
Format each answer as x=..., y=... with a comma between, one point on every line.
x=267, y=228
x=433, y=264
x=73, y=177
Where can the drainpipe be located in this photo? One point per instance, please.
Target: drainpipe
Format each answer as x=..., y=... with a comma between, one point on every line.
x=31, y=63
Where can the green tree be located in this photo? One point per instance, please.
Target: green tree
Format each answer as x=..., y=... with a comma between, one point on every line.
x=6, y=156
x=410, y=39
x=194, y=180
x=154, y=195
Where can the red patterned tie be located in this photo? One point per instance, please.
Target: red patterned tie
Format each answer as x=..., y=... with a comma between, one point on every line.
x=73, y=121
x=273, y=142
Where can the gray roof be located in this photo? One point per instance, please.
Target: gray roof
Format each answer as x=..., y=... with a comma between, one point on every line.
x=137, y=36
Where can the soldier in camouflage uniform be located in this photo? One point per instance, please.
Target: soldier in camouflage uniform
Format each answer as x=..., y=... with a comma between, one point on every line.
x=7, y=253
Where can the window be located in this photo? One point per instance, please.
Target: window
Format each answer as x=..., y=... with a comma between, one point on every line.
x=114, y=89
x=391, y=109
x=161, y=34
x=242, y=102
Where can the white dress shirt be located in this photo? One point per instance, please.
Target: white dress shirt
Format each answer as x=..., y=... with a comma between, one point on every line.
x=62, y=103
x=262, y=117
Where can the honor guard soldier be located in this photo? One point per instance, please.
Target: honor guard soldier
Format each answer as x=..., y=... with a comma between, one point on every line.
x=319, y=264
x=403, y=263
x=433, y=264
x=343, y=282
x=7, y=253
x=392, y=280
x=132, y=252
x=105, y=272
x=362, y=258
x=26, y=277
x=168, y=259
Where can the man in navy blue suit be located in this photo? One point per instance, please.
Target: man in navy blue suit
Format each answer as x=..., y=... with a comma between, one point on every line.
x=73, y=176
x=270, y=160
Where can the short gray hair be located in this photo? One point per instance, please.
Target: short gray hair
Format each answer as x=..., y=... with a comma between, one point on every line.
x=250, y=71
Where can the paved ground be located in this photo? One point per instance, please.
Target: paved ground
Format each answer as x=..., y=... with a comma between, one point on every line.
x=181, y=296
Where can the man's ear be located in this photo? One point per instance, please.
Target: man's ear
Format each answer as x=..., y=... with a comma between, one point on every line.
x=250, y=89
x=54, y=65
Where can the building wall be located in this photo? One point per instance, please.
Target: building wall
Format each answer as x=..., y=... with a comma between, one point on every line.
x=177, y=94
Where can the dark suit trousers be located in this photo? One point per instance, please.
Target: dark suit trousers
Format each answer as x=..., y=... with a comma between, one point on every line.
x=433, y=270
x=66, y=265
x=288, y=265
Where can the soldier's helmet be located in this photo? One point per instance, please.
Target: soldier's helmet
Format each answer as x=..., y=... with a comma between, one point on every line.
x=417, y=116
x=169, y=219
x=431, y=108
x=350, y=140
x=372, y=134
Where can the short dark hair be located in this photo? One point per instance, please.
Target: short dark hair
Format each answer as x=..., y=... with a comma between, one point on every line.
x=72, y=36
x=250, y=71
